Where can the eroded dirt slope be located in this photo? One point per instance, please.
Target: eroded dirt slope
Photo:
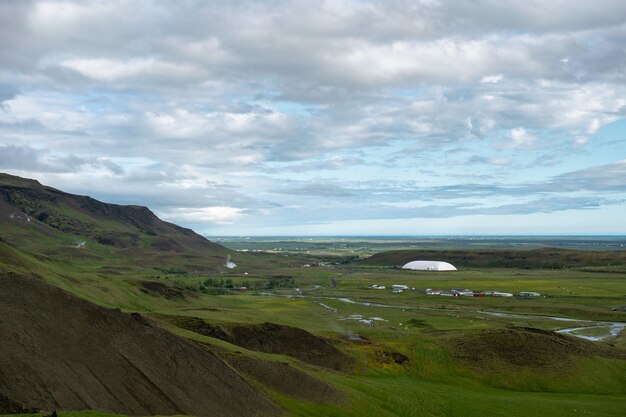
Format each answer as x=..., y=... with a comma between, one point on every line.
x=61, y=352
x=271, y=338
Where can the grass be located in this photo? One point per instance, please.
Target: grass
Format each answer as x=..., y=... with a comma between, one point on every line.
x=421, y=327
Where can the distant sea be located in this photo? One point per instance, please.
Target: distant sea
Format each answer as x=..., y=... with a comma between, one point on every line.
x=581, y=242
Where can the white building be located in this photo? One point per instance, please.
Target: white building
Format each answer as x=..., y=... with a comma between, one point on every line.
x=429, y=266
x=377, y=287
x=502, y=294
x=529, y=294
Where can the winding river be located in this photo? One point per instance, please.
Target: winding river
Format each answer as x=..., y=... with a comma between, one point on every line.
x=612, y=328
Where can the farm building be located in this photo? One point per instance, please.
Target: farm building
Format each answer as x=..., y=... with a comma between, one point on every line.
x=376, y=287
x=429, y=266
x=529, y=294
x=502, y=294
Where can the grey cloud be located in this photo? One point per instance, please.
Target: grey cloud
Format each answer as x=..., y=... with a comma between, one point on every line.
x=334, y=163
x=609, y=178
x=25, y=158
x=316, y=190
x=253, y=96
x=315, y=64
x=323, y=213
x=7, y=92
x=605, y=178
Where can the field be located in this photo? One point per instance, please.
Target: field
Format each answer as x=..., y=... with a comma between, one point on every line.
x=299, y=321
x=405, y=345
x=366, y=246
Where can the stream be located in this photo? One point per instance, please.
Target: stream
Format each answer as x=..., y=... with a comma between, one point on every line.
x=613, y=328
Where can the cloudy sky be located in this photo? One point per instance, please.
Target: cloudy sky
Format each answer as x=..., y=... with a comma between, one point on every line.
x=325, y=117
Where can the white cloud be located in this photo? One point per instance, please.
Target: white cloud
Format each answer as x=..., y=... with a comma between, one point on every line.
x=167, y=101
x=103, y=69
x=520, y=138
x=492, y=79
x=206, y=215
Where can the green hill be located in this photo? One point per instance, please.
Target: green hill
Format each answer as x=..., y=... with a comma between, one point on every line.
x=108, y=308
x=62, y=352
x=544, y=258
x=29, y=208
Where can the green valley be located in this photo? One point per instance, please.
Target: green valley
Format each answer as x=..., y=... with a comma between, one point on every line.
x=297, y=332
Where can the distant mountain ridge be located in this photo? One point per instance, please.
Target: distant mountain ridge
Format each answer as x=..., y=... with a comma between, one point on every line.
x=109, y=224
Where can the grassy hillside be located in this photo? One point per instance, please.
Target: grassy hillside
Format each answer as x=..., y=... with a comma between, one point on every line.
x=544, y=258
x=52, y=222
x=58, y=350
x=315, y=340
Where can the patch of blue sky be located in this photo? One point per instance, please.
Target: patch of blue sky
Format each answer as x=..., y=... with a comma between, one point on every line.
x=603, y=220
x=417, y=92
x=130, y=163
x=100, y=101
x=606, y=146
x=293, y=108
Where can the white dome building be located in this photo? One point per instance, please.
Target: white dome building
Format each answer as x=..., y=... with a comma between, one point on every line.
x=429, y=266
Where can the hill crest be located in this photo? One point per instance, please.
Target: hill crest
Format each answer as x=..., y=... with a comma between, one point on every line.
x=121, y=226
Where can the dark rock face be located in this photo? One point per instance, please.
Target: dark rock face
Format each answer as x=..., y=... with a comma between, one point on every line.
x=140, y=217
x=60, y=352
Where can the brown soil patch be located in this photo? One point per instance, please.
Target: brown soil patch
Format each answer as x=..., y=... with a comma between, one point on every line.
x=61, y=352
x=162, y=290
x=120, y=239
x=383, y=356
x=8, y=406
x=284, y=378
x=527, y=347
x=167, y=245
x=271, y=338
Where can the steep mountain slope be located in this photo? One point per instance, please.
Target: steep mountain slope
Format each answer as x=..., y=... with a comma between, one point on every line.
x=50, y=223
x=108, y=224
x=63, y=260
x=60, y=352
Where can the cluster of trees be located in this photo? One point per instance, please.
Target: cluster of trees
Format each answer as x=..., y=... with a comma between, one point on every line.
x=218, y=286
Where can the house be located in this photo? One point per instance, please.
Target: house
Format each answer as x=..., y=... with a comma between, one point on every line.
x=376, y=287
x=502, y=294
x=457, y=292
x=529, y=294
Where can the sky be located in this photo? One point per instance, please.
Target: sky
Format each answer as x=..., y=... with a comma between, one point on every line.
x=325, y=117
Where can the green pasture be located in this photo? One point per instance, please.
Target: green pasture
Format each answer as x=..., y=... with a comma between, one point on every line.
x=424, y=328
